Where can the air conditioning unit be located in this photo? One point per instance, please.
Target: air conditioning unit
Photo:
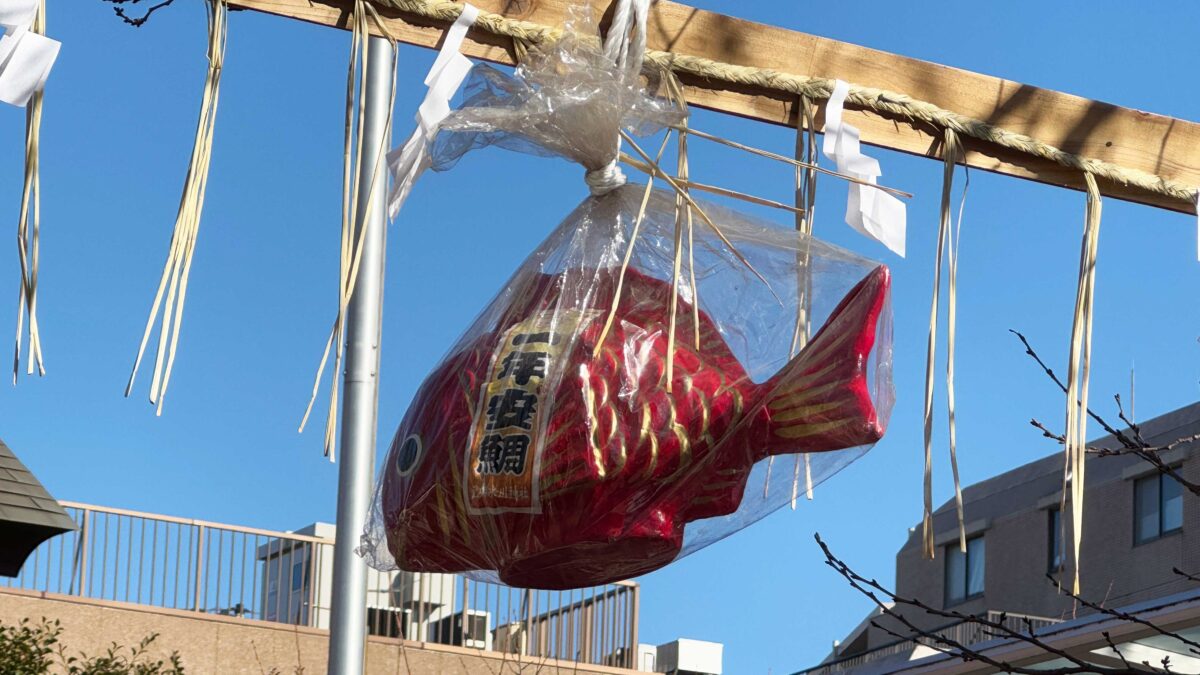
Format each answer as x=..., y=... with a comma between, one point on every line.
x=647, y=658
x=510, y=638
x=449, y=630
x=632, y=658
x=391, y=622
x=697, y=657
x=425, y=589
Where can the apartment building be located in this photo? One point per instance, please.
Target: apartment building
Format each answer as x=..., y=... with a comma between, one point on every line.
x=1139, y=526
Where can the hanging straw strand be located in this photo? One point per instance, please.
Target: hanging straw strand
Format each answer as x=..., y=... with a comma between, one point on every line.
x=810, y=163
x=633, y=236
x=352, y=175
x=1078, y=373
x=952, y=248
x=683, y=216
x=172, y=286
x=349, y=176
x=655, y=170
x=28, y=240
x=806, y=198
x=951, y=153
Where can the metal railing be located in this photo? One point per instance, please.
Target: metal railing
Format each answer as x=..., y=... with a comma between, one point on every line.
x=964, y=633
x=286, y=577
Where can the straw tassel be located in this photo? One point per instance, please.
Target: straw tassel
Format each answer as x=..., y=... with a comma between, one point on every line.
x=28, y=240
x=172, y=286
x=947, y=242
x=1078, y=374
x=351, y=246
x=806, y=197
x=683, y=217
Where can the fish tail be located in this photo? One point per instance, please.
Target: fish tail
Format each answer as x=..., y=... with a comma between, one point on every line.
x=821, y=399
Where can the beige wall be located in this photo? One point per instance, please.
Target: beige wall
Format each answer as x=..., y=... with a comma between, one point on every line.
x=232, y=646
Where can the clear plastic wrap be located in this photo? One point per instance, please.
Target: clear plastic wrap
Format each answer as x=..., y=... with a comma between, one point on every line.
x=570, y=438
x=530, y=453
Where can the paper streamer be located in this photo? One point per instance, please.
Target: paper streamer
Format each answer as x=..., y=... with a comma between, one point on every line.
x=25, y=57
x=869, y=210
x=408, y=162
x=17, y=12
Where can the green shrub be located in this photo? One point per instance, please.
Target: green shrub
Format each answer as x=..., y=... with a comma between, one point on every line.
x=33, y=649
x=28, y=648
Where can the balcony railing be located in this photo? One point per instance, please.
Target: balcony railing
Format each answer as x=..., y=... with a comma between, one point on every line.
x=193, y=565
x=965, y=633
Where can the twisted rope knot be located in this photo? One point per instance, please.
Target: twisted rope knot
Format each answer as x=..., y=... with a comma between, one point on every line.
x=605, y=179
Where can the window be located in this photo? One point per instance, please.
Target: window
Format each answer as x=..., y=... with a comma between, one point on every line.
x=299, y=570
x=1157, y=507
x=1055, y=556
x=964, y=571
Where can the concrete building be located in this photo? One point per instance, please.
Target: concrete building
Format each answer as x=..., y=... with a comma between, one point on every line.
x=1139, y=525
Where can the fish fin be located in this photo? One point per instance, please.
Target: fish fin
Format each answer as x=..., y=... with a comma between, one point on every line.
x=821, y=399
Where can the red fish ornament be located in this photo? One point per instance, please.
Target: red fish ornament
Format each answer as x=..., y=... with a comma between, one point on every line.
x=562, y=461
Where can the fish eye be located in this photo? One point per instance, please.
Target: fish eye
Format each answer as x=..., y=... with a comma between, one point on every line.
x=410, y=453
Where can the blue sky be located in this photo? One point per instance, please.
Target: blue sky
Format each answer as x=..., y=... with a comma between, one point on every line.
x=120, y=115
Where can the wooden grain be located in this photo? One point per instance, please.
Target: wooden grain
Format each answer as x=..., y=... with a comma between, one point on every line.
x=1133, y=139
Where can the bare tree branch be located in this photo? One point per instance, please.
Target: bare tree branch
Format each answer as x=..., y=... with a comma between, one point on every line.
x=1136, y=446
x=873, y=590
x=136, y=22
x=1192, y=645
x=1125, y=440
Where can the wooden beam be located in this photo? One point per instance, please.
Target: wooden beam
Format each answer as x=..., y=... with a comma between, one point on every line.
x=1133, y=139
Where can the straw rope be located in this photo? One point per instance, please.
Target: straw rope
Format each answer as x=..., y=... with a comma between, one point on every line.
x=172, y=286
x=818, y=88
x=29, y=227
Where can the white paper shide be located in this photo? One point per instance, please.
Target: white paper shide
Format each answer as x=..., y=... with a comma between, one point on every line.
x=869, y=210
x=25, y=56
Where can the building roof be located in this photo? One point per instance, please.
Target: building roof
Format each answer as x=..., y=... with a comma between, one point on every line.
x=1028, y=485
x=28, y=514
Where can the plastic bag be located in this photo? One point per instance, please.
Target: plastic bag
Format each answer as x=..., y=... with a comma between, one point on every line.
x=570, y=437
x=529, y=453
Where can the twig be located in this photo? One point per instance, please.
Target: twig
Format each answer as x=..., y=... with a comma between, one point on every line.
x=1135, y=428
x=1192, y=645
x=1113, y=646
x=1125, y=440
x=138, y=21
x=1130, y=446
x=873, y=590
x=1185, y=575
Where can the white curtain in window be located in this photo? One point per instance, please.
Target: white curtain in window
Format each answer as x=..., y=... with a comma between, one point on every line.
x=1146, y=497
x=975, y=560
x=956, y=575
x=1172, y=504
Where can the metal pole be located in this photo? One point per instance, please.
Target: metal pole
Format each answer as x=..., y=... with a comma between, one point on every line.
x=347, y=633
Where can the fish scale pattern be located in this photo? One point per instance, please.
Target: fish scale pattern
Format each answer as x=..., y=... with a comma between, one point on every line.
x=623, y=461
